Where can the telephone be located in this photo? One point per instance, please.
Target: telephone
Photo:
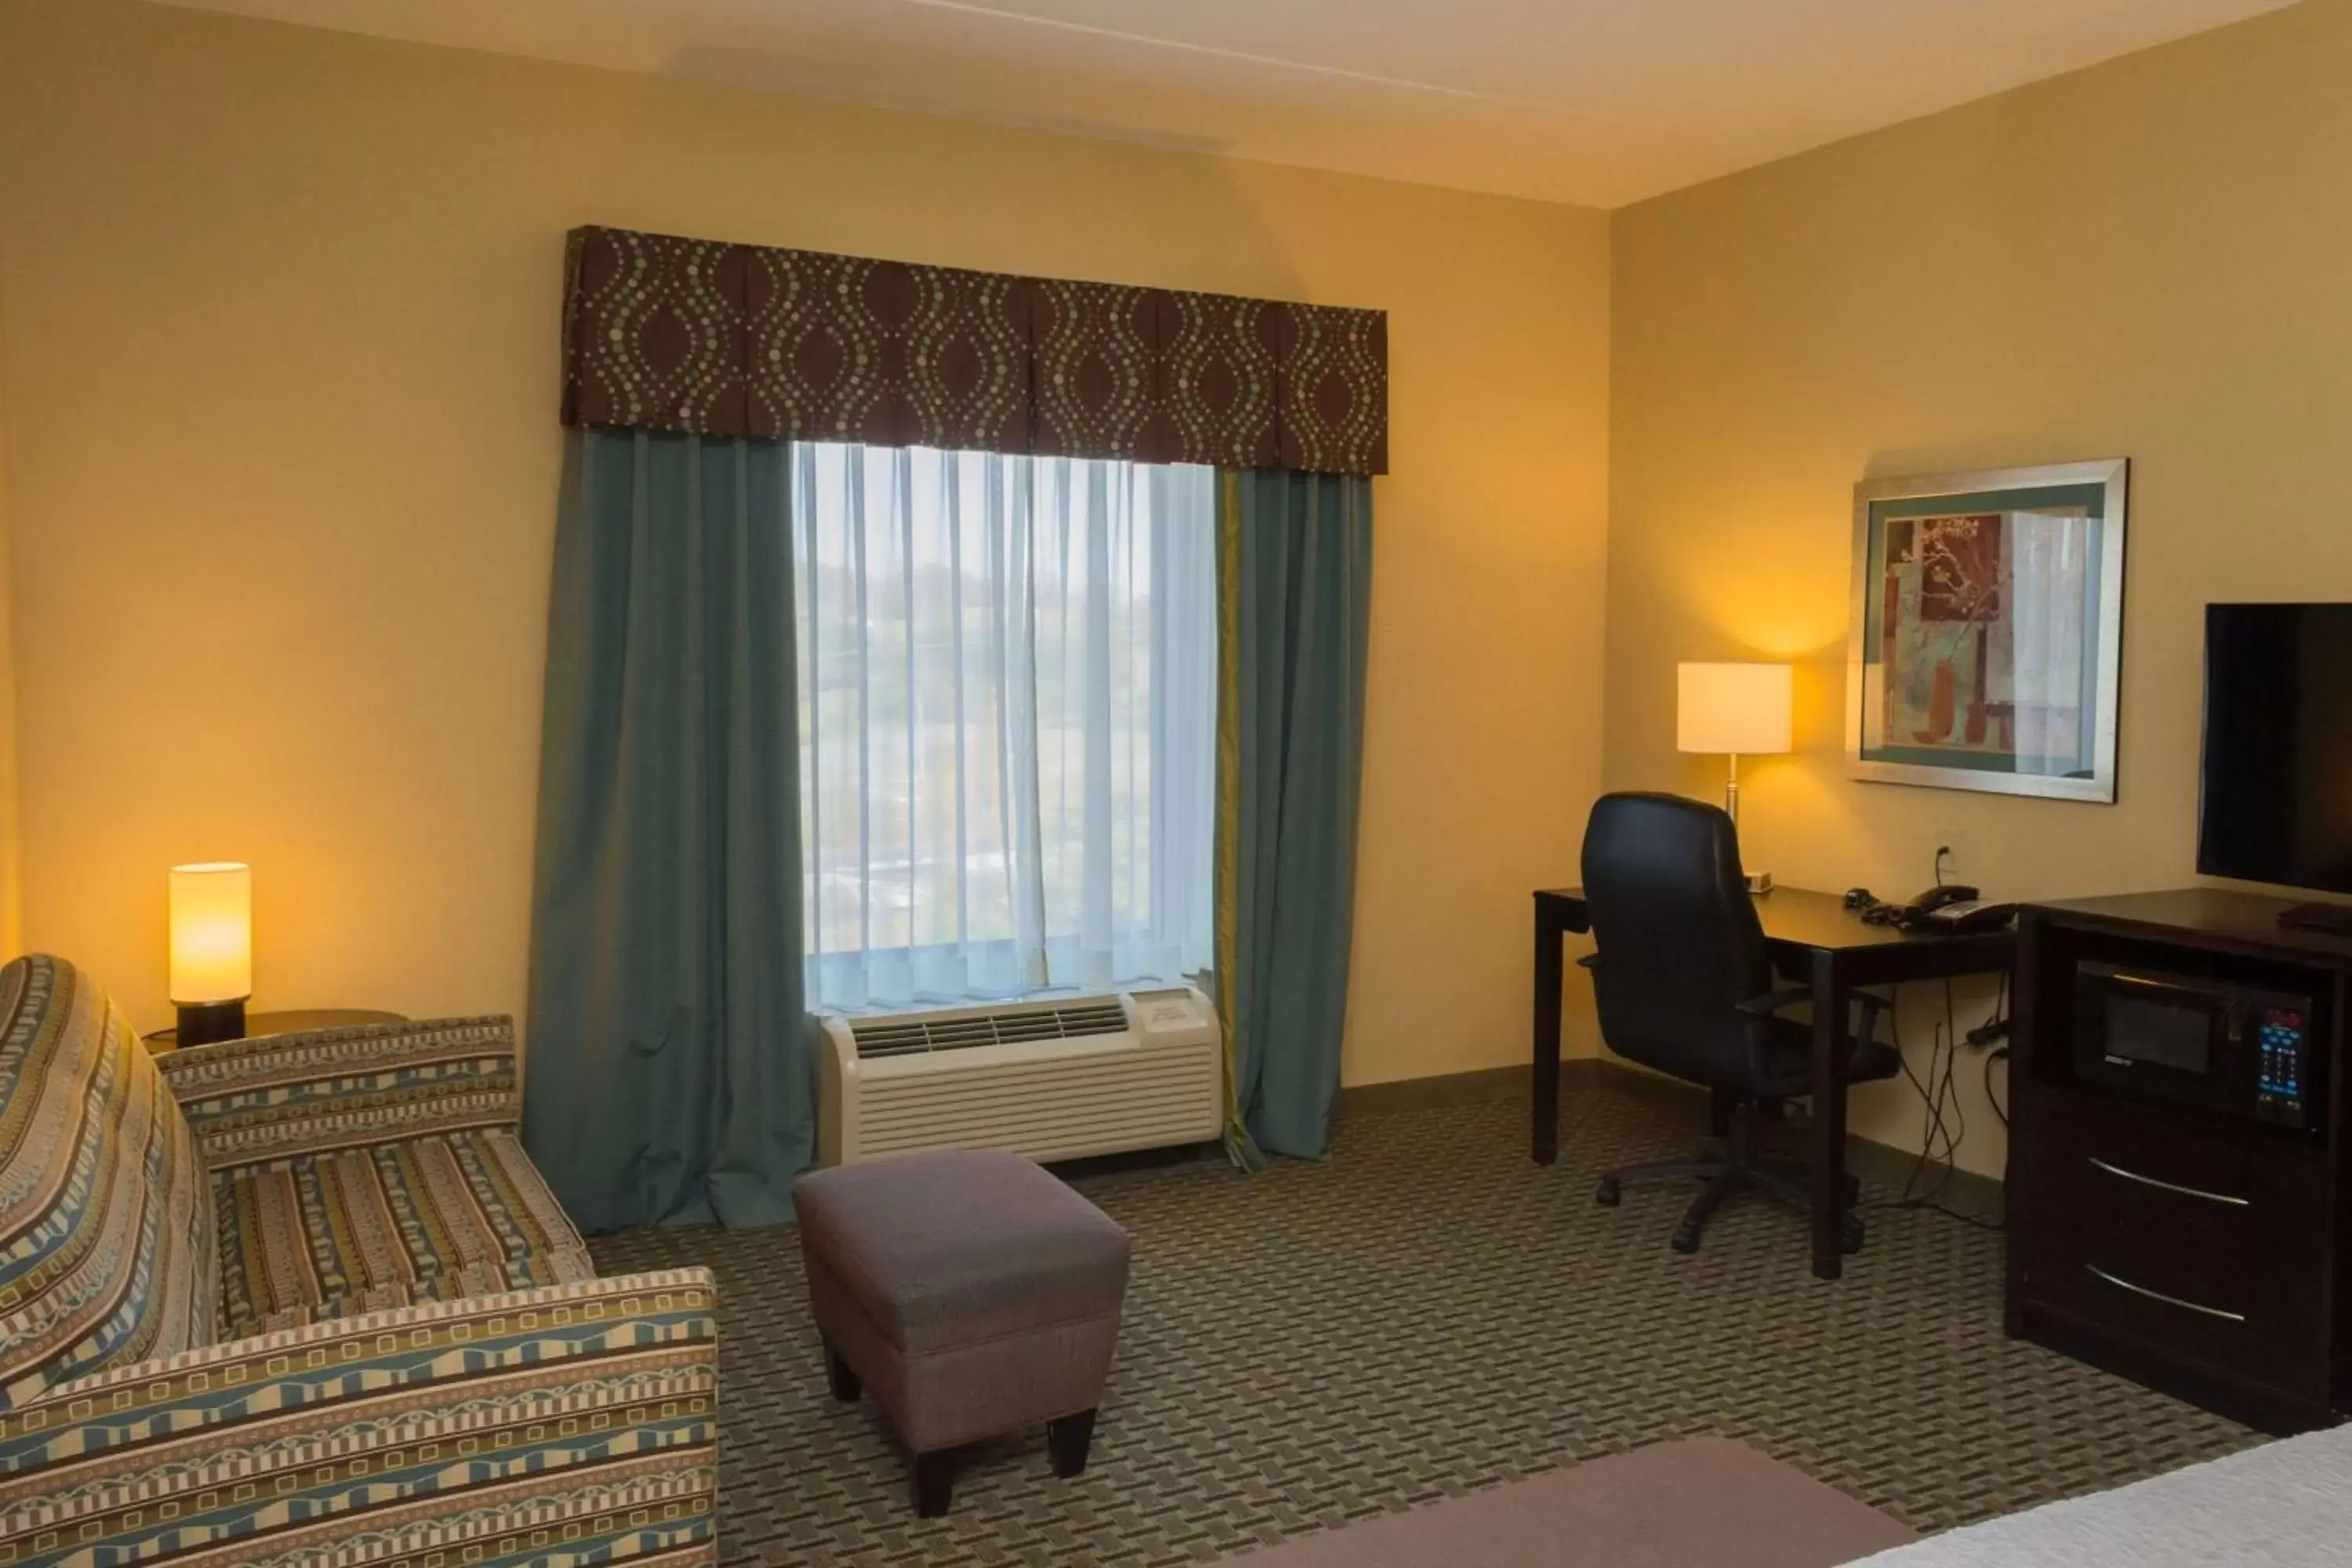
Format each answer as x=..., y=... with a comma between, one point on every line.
x=1948, y=908
x=1941, y=894
x=1954, y=909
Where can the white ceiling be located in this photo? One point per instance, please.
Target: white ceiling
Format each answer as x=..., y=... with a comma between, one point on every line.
x=1597, y=102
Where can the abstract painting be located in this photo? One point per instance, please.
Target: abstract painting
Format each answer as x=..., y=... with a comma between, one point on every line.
x=1987, y=630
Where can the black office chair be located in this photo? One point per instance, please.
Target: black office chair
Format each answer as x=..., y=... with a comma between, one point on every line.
x=1684, y=986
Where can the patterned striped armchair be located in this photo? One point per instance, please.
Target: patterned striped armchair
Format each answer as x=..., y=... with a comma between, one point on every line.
x=271, y=1300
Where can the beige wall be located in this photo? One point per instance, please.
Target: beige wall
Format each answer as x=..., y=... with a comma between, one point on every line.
x=2151, y=259
x=281, y=313
x=10, y=854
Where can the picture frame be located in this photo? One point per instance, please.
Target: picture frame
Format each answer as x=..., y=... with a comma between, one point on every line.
x=1985, y=648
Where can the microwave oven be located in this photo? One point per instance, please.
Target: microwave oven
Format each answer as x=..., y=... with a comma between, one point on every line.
x=2229, y=1049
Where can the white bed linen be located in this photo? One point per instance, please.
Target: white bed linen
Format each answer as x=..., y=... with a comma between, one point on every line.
x=2284, y=1505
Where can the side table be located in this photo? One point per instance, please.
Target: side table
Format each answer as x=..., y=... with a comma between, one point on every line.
x=299, y=1022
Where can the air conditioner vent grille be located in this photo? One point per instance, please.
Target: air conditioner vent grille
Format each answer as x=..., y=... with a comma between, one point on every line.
x=909, y=1035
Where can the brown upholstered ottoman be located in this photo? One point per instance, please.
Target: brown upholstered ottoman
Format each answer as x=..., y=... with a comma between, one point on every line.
x=972, y=1292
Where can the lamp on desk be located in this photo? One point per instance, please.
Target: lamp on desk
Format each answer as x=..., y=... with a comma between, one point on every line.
x=1727, y=710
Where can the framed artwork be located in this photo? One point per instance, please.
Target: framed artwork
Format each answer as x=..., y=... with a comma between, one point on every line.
x=1987, y=633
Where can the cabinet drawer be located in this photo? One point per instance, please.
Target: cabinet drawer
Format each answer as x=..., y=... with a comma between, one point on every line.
x=2194, y=1239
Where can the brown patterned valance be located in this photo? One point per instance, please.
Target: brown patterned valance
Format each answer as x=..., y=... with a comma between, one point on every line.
x=700, y=337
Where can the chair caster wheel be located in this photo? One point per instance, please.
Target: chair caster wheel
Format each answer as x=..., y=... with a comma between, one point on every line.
x=1851, y=1234
x=1608, y=1195
x=1685, y=1241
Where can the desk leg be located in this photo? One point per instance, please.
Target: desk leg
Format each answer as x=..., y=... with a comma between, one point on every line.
x=1829, y=1003
x=1546, y=1144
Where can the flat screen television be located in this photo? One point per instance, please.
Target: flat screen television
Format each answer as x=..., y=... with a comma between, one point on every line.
x=2276, y=799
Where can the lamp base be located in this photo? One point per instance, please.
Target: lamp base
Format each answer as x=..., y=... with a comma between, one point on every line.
x=1760, y=882
x=203, y=1023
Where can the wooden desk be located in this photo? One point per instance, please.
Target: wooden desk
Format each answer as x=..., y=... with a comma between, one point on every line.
x=1807, y=934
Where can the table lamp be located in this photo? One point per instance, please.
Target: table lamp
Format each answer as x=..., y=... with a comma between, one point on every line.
x=212, y=950
x=1729, y=709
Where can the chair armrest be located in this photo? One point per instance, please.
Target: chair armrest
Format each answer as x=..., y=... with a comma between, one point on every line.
x=284, y=1095
x=1772, y=1002
x=583, y=1415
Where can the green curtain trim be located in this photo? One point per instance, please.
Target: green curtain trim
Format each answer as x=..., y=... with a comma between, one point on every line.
x=1240, y=1147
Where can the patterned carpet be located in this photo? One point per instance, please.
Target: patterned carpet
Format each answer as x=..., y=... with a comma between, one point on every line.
x=1427, y=1313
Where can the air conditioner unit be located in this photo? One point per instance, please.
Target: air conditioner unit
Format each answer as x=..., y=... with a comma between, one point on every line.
x=1051, y=1079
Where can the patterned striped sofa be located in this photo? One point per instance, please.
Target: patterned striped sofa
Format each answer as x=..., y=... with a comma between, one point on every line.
x=304, y=1298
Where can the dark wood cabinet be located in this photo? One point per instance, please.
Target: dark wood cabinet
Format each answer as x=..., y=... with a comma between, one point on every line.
x=2190, y=1244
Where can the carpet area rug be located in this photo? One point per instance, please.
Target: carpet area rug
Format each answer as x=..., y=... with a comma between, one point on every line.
x=1426, y=1313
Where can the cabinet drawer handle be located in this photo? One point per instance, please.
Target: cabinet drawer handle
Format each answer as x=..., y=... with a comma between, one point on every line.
x=2122, y=1284
x=2169, y=1186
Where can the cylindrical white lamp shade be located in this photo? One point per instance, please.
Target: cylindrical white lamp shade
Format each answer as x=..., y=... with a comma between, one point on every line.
x=212, y=933
x=1740, y=708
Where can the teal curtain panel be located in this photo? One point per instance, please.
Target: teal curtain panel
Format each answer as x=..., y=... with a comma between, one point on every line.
x=1295, y=574
x=668, y=1072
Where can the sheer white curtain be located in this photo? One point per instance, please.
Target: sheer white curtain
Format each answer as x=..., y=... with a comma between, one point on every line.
x=1008, y=721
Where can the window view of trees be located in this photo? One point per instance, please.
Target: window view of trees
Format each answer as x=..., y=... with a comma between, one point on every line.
x=1008, y=687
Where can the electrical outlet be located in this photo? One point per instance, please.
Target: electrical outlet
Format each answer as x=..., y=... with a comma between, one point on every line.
x=1958, y=865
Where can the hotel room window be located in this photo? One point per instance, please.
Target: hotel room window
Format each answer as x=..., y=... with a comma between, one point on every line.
x=1008, y=673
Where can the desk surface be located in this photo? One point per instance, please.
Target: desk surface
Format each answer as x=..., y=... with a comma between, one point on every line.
x=1801, y=917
